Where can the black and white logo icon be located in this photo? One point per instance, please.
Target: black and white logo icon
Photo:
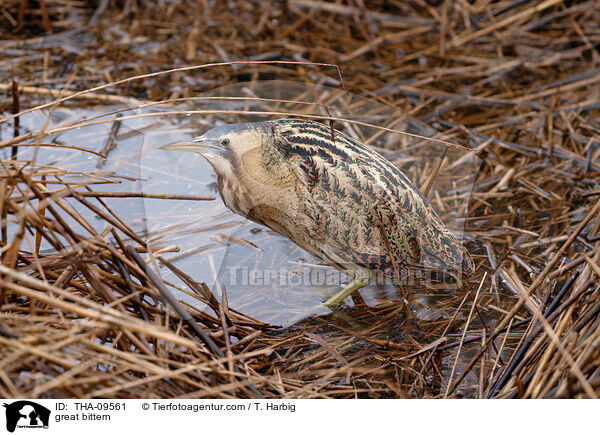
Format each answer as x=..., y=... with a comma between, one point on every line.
x=26, y=414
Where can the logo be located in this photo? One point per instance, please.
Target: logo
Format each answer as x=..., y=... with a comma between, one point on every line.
x=26, y=414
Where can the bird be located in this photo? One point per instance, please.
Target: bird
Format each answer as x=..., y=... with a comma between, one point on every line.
x=332, y=196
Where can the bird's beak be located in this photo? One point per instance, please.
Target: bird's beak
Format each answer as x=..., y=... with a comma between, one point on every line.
x=199, y=145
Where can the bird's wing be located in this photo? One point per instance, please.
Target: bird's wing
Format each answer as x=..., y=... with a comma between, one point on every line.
x=362, y=205
x=344, y=197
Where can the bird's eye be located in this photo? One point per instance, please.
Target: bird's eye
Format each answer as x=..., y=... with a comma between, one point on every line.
x=225, y=142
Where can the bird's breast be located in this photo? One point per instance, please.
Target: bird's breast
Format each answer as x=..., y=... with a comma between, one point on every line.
x=234, y=195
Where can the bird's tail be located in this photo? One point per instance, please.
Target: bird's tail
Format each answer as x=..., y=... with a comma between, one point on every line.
x=449, y=254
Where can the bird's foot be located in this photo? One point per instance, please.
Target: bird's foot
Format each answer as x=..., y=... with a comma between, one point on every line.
x=361, y=278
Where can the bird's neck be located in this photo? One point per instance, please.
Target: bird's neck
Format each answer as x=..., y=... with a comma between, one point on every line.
x=246, y=182
x=234, y=193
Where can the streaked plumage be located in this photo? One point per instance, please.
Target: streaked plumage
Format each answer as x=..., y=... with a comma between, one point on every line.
x=334, y=197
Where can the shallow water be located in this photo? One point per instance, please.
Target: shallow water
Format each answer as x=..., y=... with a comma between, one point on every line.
x=265, y=275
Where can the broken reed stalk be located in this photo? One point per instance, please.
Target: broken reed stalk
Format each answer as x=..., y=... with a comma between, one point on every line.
x=15, y=111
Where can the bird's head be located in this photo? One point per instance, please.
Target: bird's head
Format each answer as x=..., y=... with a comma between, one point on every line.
x=226, y=146
x=248, y=162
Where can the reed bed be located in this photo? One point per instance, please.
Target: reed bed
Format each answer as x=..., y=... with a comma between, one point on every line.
x=84, y=313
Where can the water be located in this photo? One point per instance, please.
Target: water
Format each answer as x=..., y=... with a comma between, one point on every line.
x=266, y=276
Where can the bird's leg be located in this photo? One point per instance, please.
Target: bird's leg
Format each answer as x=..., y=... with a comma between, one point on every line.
x=361, y=279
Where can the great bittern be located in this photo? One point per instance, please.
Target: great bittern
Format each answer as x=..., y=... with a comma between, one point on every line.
x=331, y=195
